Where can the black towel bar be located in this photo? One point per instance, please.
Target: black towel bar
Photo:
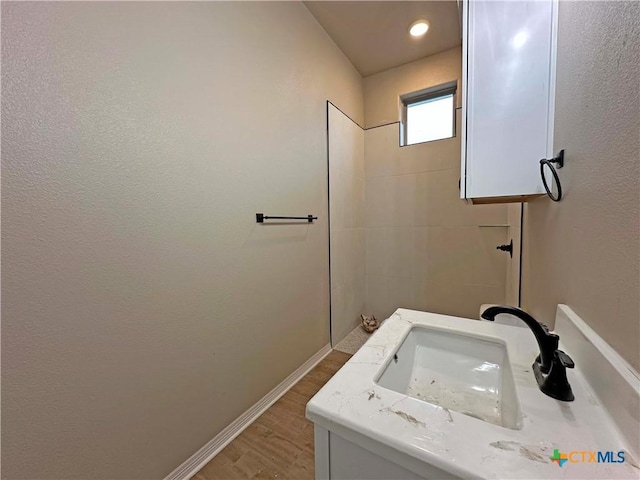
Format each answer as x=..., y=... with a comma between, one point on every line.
x=261, y=217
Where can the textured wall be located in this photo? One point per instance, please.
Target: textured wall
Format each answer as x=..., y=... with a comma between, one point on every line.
x=382, y=90
x=346, y=204
x=143, y=309
x=585, y=250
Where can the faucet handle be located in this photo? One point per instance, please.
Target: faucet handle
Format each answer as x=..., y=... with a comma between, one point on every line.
x=555, y=383
x=565, y=359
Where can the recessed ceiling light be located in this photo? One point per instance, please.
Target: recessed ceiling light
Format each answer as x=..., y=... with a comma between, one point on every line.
x=419, y=28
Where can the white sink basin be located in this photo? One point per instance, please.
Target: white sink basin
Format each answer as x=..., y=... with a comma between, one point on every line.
x=464, y=373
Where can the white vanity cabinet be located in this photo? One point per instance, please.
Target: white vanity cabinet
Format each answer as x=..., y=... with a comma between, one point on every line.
x=339, y=459
x=380, y=418
x=508, y=70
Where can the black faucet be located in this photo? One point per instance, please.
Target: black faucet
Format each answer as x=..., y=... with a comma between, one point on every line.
x=550, y=366
x=547, y=342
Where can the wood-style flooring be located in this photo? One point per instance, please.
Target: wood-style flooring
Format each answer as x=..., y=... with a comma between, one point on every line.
x=279, y=444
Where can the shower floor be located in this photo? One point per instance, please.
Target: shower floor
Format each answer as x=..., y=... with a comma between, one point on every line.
x=352, y=342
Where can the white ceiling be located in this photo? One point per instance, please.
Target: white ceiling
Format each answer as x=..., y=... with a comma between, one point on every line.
x=375, y=35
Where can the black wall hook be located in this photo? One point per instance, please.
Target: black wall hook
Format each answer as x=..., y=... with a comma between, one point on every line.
x=507, y=248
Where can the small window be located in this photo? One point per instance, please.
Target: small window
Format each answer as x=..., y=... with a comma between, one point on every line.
x=429, y=114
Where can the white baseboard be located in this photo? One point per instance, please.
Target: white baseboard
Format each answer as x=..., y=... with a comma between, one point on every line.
x=199, y=459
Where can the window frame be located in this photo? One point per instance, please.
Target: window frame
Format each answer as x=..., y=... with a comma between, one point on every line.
x=431, y=93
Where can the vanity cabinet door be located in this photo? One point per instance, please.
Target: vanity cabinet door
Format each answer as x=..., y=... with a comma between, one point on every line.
x=508, y=98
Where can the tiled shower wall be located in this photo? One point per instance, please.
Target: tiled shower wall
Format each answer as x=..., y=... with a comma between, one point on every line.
x=514, y=220
x=346, y=208
x=402, y=237
x=424, y=247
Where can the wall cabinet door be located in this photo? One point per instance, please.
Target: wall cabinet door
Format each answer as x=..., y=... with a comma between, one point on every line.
x=508, y=97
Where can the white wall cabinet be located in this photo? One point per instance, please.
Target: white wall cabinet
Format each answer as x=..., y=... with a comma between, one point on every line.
x=508, y=69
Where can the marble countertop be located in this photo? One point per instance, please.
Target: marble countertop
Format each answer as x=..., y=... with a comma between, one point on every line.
x=410, y=431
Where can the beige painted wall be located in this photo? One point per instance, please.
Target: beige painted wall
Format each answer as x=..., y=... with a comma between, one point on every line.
x=584, y=251
x=143, y=308
x=382, y=91
x=346, y=205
